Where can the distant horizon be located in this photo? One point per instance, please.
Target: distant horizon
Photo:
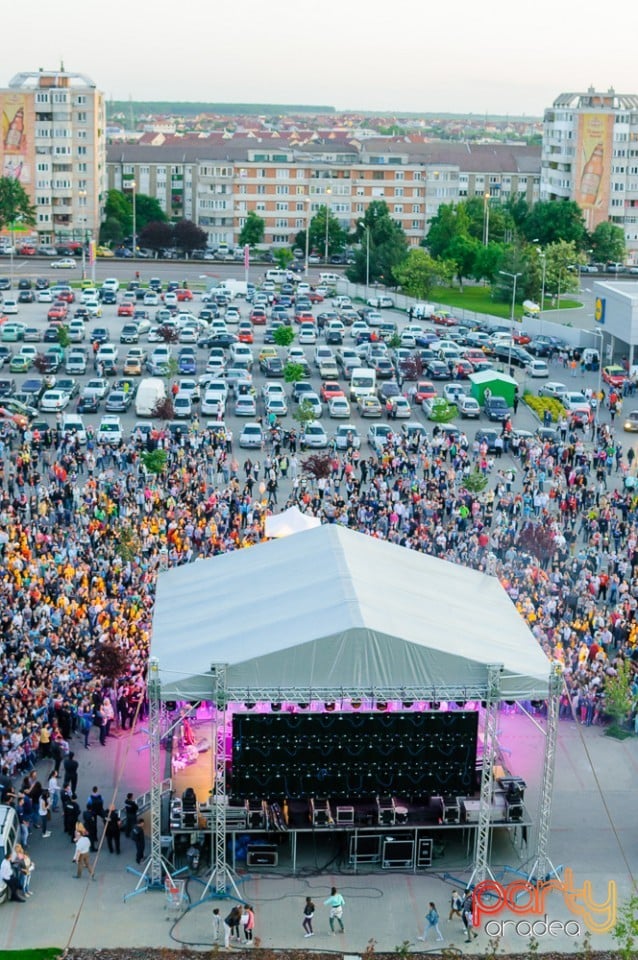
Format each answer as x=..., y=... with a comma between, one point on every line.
x=313, y=109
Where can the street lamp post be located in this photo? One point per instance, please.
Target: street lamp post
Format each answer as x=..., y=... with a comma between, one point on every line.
x=133, y=188
x=328, y=192
x=308, y=203
x=17, y=219
x=367, y=230
x=514, y=277
x=599, y=333
x=543, y=257
x=486, y=219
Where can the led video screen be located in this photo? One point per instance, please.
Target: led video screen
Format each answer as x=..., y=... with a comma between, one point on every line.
x=353, y=755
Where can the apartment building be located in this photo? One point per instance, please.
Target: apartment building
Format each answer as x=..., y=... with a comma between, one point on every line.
x=590, y=155
x=217, y=180
x=54, y=142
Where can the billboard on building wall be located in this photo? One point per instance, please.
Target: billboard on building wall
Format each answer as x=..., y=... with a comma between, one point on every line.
x=593, y=166
x=16, y=145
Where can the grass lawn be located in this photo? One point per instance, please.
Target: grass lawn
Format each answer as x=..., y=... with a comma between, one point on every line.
x=478, y=300
x=43, y=953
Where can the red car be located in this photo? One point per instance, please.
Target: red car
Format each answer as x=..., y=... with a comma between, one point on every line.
x=444, y=319
x=315, y=297
x=521, y=339
x=424, y=391
x=330, y=389
x=57, y=311
x=27, y=251
x=614, y=375
x=125, y=309
x=258, y=317
x=67, y=295
x=463, y=369
x=304, y=316
x=183, y=294
x=245, y=335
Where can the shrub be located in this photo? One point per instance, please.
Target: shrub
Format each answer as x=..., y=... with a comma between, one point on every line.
x=540, y=404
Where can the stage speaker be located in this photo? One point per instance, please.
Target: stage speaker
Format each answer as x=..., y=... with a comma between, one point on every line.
x=262, y=856
x=513, y=812
x=189, y=799
x=190, y=820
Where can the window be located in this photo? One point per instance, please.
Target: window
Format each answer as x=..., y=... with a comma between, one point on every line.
x=416, y=208
x=416, y=224
x=82, y=151
x=377, y=174
x=300, y=224
x=283, y=173
x=398, y=191
x=260, y=172
x=378, y=192
x=281, y=224
x=81, y=117
x=399, y=175
x=280, y=205
x=282, y=191
x=261, y=189
x=260, y=205
x=398, y=208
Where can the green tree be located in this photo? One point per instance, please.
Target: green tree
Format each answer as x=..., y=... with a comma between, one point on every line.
x=293, y=372
x=119, y=207
x=337, y=236
x=304, y=413
x=252, y=231
x=475, y=481
x=443, y=412
x=625, y=932
x=15, y=205
x=443, y=228
x=147, y=210
x=618, y=696
x=608, y=243
x=420, y=272
x=561, y=262
x=283, y=336
x=111, y=231
x=109, y=661
x=388, y=246
x=284, y=257
x=488, y=261
x=128, y=543
x=552, y=220
x=63, y=336
x=463, y=252
x=154, y=460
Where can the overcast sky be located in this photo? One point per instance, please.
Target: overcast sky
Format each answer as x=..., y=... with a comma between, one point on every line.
x=497, y=57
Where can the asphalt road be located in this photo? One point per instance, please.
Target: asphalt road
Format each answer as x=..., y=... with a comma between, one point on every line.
x=198, y=276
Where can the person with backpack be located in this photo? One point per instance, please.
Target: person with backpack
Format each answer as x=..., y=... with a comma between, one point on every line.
x=468, y=922
x=308, y=914
x=456, y=904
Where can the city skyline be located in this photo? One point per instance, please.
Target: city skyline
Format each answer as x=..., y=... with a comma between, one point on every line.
x=367, y=58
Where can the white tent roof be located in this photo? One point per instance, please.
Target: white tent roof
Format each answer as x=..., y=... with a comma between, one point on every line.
x=333, y=610
x=488, y=376
x=290, y=521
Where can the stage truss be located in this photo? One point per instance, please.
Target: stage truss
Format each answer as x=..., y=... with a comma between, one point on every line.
x=488, y=693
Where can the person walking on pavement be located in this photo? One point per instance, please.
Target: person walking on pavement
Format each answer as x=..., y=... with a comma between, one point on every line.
x=432, y=923
x=71, y=812
x=137, y=836
x=336, y=903
x=70, y=767
x=308, y=914
x=217, y=925
x=130, y=813
x=113, y=831
x=456, y=904
x=82, y=848
x=470, y=932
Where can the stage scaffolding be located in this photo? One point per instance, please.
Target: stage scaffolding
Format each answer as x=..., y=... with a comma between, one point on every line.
x=488, y=693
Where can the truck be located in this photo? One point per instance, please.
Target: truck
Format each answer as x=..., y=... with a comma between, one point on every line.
x=150, y=391
x=363, y=382
x=234, y=288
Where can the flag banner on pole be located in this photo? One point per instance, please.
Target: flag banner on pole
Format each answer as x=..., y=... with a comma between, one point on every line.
x=246, y=256
x=91, y=252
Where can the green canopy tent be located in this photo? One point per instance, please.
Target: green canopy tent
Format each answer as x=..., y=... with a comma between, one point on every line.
x=500, y=385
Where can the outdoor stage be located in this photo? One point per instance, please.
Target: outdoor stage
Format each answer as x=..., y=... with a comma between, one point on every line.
x=393, y=832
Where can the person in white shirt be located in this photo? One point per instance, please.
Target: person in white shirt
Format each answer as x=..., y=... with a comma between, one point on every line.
x=82, y=848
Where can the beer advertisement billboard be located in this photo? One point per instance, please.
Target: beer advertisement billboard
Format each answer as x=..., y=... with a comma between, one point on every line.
x=16, y=144
x=593, y=166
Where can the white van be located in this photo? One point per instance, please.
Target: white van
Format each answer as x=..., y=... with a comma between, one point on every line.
x=9, y=828
x=73, y=423
x=422, y=311
x=363, y=382
x=277, y=276
x=329, y=277
x=150, y=391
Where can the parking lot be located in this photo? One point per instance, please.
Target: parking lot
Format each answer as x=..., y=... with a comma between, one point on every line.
x=329, y=333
